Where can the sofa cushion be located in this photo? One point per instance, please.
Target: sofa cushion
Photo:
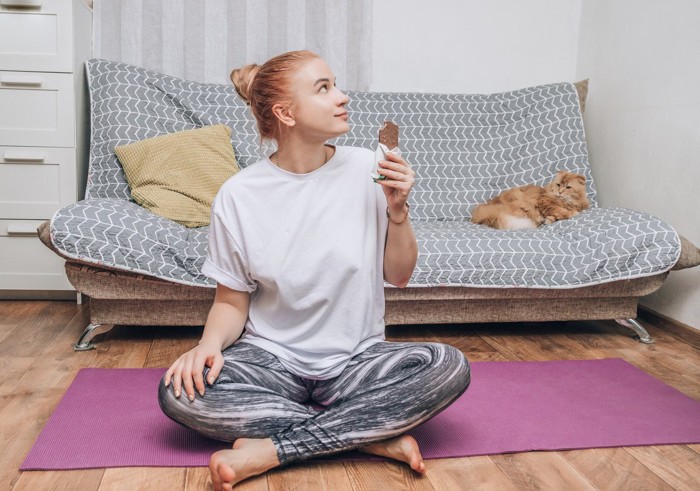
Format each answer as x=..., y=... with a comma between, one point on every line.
x=120, y=234
x=178, y=175
x=465, y=148
x=597, y=246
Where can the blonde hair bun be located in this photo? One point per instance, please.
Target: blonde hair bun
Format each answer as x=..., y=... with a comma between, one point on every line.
x=264, y=86
x=242, y=79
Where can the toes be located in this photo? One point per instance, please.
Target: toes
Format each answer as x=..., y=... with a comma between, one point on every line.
x=418, y=466
x=412, y=451
x=222, y=474
x=215, y=479
x=226, y=473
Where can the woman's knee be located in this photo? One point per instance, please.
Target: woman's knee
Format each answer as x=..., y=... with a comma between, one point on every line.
x=444, y=362
x=176, y=408
x=456, y=368
x=188, y=414
x=166, y=398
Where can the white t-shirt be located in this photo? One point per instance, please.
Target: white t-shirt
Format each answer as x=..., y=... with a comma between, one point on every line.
x=310, y=249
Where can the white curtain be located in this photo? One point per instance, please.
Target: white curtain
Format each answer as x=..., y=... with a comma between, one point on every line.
x=202, y=40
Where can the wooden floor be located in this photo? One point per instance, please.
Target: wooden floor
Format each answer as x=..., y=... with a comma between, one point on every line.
x=38, y=364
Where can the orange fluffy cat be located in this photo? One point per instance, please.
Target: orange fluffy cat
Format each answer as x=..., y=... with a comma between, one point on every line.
x=531, y=206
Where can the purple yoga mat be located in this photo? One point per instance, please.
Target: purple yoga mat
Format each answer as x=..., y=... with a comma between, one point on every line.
x=111, y=418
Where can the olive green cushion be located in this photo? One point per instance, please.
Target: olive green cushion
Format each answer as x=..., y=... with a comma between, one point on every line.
x=178, y=175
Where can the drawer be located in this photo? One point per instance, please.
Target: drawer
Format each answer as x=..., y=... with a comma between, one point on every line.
x=36, y=181
x=36, y=38
x=37, y=109
x=26, y=263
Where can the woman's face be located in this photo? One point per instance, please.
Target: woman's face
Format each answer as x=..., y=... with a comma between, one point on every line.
x=318, y=107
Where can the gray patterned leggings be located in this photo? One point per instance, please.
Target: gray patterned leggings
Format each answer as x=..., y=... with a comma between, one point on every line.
x=383, y=392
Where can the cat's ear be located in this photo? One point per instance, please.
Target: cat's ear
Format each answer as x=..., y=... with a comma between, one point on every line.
x=581, y=179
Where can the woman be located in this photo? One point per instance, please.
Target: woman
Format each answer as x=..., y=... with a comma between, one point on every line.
x=300, y=245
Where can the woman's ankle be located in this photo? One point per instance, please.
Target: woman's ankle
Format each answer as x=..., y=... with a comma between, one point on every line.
x=263, y=448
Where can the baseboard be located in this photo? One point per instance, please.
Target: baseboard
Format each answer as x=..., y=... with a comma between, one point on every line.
x=38, y=295
x=684, y=332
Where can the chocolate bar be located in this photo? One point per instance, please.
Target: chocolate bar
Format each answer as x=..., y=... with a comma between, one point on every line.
x=389, y=135
x=388, y=142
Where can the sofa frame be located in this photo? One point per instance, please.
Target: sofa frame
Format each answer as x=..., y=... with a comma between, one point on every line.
x=119, y=297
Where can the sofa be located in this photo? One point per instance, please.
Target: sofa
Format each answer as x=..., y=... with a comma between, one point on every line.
x=142, y=269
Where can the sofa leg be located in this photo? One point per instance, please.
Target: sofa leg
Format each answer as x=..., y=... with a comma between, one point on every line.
x=90, y=332
x=639, y=330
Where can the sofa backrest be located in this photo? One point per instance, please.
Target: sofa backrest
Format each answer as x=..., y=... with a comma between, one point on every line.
x=464, y=148
x=129, y=103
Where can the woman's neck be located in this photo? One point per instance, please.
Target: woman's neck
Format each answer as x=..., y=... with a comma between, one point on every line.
x=301, y=157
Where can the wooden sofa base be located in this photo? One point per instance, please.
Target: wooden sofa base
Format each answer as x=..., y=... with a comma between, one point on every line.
x=194, y=313
x=513, y=310
x=118, y=297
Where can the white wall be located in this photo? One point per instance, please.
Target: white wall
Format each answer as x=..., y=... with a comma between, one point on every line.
x=473, y=46
x=643, y=111
x=643, y=121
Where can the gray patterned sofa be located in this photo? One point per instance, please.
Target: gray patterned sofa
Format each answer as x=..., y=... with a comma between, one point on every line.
x=142, y=269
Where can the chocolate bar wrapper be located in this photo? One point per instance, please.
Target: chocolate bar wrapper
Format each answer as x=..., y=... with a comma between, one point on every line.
x=380, y=154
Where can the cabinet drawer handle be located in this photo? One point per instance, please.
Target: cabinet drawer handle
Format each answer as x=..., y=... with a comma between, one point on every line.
x=22, y=229
x=22, y=3
x=21, y=80
x=24, y=156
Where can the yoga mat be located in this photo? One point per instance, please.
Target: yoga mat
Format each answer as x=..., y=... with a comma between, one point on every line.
x=111, y=418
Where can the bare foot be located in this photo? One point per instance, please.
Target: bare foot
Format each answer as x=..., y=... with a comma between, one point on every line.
x=403, y=448
x=248, y=457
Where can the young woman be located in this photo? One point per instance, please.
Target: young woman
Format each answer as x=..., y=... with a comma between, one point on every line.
x=300, y=245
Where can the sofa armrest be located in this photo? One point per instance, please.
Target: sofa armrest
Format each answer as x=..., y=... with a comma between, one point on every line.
x=119, y=234
x=690, y=255
x=44, y=230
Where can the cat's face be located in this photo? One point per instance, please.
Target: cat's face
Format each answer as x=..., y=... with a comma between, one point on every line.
x=570, y=186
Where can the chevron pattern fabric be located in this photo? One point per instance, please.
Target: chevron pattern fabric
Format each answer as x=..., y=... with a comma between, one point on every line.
x=597, y=246
x=121, y=234
x=129, y=104
x=465, y=150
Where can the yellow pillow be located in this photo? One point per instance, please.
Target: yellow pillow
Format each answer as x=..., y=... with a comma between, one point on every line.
x=178, y=175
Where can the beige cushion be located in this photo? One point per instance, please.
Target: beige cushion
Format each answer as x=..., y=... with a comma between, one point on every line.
x=178, y=175
x=582, y=90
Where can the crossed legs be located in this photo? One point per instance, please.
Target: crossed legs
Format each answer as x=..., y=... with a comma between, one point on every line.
x=383, y=392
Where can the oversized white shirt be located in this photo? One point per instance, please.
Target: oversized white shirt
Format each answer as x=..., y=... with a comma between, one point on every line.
x=310, y=250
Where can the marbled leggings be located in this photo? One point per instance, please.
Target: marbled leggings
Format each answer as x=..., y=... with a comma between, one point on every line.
x=383, y=392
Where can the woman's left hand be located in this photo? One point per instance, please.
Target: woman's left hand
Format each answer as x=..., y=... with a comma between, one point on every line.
x=398, y=183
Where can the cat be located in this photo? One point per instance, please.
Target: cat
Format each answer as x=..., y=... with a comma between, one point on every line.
x=531, y=206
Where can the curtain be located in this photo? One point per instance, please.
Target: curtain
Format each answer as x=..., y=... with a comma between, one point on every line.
x=203, y=40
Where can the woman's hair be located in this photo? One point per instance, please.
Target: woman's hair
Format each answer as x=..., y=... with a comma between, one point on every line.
x=263, y=86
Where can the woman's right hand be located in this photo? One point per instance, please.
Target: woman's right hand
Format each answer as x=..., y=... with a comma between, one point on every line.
x=188, y=370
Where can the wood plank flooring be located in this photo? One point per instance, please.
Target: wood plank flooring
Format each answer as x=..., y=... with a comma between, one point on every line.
x=38, y=364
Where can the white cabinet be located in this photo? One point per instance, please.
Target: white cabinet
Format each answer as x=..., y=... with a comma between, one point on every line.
x=37, y=109
x=36, y=181
x=43, y=135
x=36, y=36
